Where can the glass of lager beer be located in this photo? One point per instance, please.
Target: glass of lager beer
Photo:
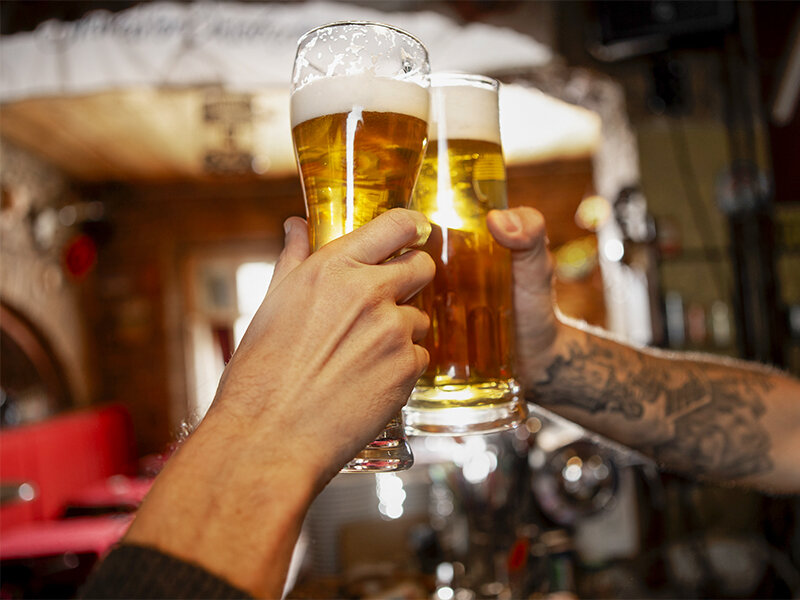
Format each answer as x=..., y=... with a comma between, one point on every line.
x=359, y=111
x=470, y=386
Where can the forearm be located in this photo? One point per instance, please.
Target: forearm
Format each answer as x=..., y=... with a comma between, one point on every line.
x=238, y=520
x=712, y=419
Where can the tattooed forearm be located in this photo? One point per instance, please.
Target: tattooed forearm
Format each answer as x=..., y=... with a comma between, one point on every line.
x=585, y=378
x=689, y=415
x=723, y=437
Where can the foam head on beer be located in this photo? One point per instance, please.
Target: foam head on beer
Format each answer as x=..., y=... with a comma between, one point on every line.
x=345, y=66
x=362, y=92
x=466, y=112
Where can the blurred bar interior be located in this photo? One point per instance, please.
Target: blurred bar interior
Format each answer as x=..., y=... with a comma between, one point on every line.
x=147, y=168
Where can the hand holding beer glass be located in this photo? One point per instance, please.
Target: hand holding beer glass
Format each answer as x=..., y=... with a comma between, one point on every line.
x=470, y=386
x=359, y=111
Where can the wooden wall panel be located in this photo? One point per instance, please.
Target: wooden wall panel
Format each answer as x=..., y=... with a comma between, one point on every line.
x=133, y=299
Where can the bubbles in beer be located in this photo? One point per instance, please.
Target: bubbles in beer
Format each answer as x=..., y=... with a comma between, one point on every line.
x=359, y=149
x=471, y=336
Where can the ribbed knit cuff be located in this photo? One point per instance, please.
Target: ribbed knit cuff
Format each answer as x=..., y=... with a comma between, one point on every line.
x=131, y=571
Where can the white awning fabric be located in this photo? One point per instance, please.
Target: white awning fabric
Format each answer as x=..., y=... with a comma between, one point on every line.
x=250, y=47
x=242, y=46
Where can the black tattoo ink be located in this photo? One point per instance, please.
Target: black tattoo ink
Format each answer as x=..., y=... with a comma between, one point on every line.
x=722, y=436
x=587, y=380
x=709, y=414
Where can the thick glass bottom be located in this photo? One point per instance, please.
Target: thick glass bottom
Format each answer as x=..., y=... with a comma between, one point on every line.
x=465, y=409
x=389, y=452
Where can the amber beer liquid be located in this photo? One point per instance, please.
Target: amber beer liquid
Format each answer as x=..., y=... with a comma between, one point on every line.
x=469, y=386
x=359, y=145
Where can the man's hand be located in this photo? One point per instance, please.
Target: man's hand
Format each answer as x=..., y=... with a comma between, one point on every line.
x=332, y=353
x=329, y=357
x=522, y=230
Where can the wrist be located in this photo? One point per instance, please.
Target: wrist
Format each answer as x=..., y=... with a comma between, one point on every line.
x=220, y=498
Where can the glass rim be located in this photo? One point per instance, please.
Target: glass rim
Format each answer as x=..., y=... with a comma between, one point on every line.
x=370, y=23
x=454, y=79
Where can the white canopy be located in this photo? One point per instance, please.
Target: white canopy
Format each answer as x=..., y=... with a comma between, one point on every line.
x=242, y=46
x=250, y=47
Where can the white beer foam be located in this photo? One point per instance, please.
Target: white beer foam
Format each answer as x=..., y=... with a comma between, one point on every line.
x=464, y=112
x=332, y=95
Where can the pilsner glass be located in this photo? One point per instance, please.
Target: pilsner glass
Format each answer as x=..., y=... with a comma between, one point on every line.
x=470, y=386
x=359, y=111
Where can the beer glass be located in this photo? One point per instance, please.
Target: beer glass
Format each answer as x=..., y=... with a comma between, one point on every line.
x=470, y=386
x=359, y=112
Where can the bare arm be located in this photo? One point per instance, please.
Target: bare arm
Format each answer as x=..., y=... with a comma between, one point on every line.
x=329, y=357
x=709, y=418
x=726, y=421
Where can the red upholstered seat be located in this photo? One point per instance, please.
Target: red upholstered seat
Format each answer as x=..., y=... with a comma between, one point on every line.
x=63, y=455
x=81, y=465
x=47, y=538
x=17, y=466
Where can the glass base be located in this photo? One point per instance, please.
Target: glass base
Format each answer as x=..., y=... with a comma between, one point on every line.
x=465, y=409
x=389, y=452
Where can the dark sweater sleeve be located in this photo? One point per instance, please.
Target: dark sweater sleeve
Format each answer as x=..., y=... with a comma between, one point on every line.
x=132, y=571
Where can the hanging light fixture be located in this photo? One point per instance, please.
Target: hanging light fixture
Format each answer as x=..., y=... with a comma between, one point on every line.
x=228, y=119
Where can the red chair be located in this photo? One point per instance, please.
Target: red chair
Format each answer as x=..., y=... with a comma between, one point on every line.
x=79, y=465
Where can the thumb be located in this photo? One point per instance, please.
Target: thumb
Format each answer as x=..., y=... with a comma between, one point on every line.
x=296, y=249
x=522, y=230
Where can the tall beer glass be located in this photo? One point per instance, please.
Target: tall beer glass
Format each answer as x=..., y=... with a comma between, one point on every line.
x=359, y=111
x=469, y=386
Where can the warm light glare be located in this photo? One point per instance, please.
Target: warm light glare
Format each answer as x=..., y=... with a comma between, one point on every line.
x=445, y=593
x=478, y=467
x=26, y=492
x=445, y=572
x=252, y=281
x=533, y=424
x=391, y=494
x=476, y=460
x=614, y=250
x=572, y=473
x=592, y=213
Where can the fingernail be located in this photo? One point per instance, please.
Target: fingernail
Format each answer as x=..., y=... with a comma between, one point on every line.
x=423, y=232
x=287, y=226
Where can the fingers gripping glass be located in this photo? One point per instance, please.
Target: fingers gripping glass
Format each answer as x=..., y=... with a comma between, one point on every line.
x=359, y=111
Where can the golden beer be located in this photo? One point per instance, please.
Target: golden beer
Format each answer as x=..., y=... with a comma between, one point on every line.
x=359, y=111
x=469, y=385
x=359, y=143
x=350, y=179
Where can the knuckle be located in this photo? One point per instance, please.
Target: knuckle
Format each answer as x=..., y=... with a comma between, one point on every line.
x=424, y=320
x=403, y=221
x=333, y=269
x=423, y=360
x=394, y=327
x=417, y=264
x=427, y=266
x=373, y=301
